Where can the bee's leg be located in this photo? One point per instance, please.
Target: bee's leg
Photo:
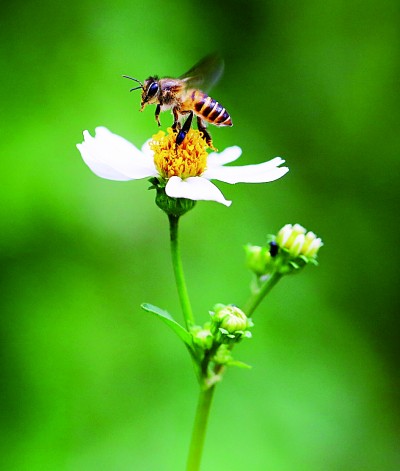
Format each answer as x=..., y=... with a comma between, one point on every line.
x=185, y=129
x=206, y=135
x=177, y=124
x=157, y=114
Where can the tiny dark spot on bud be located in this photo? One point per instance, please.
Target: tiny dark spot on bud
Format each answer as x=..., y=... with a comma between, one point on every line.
x=274, y=247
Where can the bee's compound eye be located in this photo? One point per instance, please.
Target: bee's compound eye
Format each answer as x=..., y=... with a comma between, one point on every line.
x=153, y=89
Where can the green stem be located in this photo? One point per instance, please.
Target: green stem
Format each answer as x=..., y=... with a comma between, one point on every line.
x=257, y=297
x=178, y=271
x=199, y=429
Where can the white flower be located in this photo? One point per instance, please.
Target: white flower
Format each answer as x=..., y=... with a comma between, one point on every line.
x=114, y=158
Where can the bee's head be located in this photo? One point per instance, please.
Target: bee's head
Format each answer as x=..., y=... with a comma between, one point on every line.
x=151, y=88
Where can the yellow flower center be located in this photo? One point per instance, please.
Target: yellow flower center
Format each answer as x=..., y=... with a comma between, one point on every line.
x=189, y=159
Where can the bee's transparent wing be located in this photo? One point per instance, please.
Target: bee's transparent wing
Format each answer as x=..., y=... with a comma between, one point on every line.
x=205, y=73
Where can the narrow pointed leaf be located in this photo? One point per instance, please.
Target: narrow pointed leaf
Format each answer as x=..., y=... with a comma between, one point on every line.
x=239, y=364
x=166, y=317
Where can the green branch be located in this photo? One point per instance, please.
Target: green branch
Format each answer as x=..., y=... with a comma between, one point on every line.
x=260, y=294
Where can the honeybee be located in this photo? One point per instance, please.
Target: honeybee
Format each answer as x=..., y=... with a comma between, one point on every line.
x=183, y=96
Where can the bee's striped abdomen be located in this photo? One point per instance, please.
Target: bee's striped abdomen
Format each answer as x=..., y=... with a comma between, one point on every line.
x=209, y=109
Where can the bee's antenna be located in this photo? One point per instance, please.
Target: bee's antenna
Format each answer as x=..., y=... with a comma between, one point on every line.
x=136, y=80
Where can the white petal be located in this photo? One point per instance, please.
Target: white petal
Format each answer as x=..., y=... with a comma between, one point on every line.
x=146, y=149
x=195, y=188
x=113, y=157
x=230, y=154
x=258, y=173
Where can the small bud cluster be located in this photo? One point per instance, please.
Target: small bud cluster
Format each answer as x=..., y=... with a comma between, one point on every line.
x=292, y=248
x=216, y=338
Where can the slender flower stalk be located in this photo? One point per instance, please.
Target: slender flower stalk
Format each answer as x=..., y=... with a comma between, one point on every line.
x=200, y=428
x=260, y=294
x=206, y=393
x=178, y=271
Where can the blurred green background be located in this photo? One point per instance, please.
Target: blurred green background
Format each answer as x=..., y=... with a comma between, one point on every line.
x=88, y=380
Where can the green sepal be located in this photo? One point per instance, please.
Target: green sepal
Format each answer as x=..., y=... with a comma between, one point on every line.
x=295, y=265
x=166, y=317
x=155, y=183
x=171, y=206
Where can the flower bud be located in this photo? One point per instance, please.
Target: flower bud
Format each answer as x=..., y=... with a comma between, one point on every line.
x=287, y=235
x=258, y=259
x=223, y=355
x=202, y=336
x=229, y=323
x=231, y=318
x=298, y=242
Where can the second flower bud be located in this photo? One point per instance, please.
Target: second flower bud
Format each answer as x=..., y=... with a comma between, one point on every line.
x=229, y=323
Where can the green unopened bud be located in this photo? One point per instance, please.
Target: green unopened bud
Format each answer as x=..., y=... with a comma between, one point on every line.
x=172, y=206
x=231, y=318
x=258, y=259
x=229, y=323
x=223, y=355
x=202, y=336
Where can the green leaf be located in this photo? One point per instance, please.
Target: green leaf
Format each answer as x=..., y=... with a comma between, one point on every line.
x=166, y=317
x=239, y=364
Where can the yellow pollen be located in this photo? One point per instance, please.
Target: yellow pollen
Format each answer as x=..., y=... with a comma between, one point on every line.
x=189, y=159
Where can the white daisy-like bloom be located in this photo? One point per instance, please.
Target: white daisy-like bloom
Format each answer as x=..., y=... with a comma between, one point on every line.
x=187, y=169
